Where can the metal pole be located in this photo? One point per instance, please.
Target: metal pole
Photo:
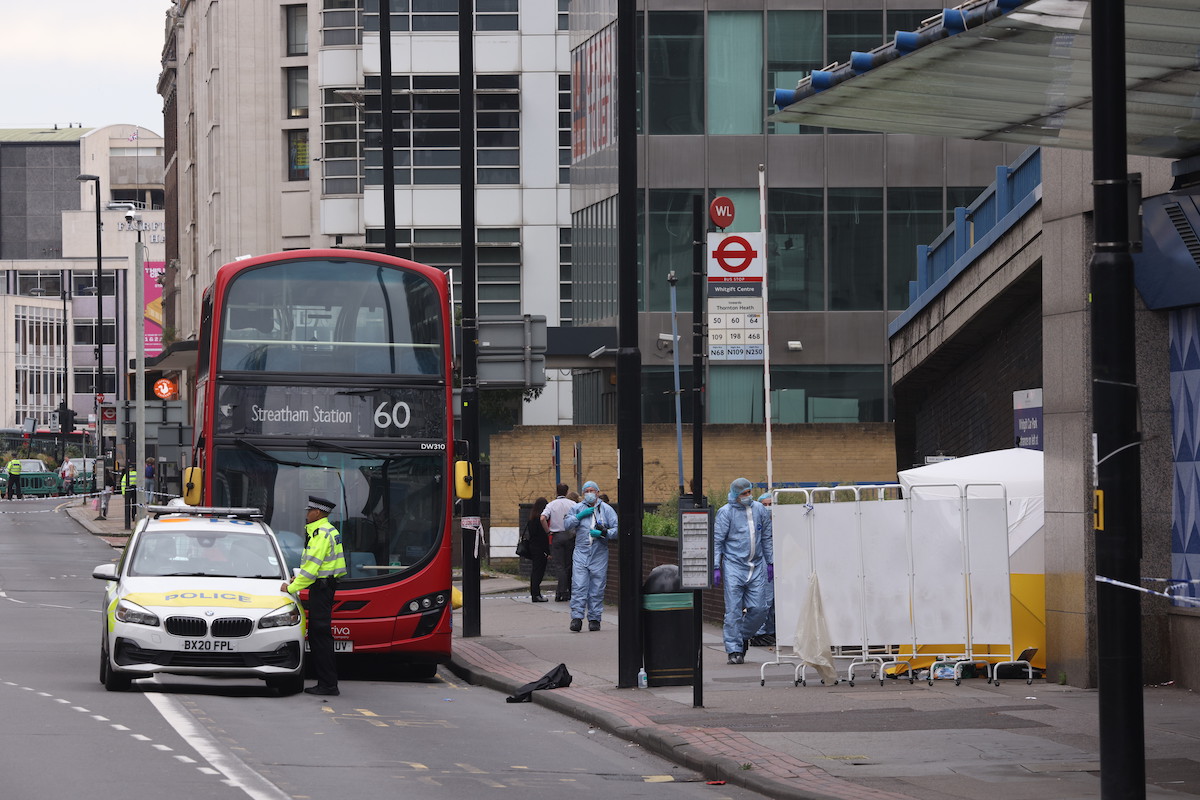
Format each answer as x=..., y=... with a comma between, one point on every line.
x=1115, y=423
x=629, y=358
x=470, y=319
x=387, y=141
x=139, y=371
x=699, y=229
x=766, y=311
x=672, y=279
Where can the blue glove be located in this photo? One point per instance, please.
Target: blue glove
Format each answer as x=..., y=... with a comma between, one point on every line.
x=717, y=576
x=596, y=534
x=587, y=511
x=770, y=573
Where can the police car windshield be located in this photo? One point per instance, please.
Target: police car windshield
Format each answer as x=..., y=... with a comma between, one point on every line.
x=205, y=553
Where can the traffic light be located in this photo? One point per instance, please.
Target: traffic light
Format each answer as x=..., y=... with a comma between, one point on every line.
x=66, y=419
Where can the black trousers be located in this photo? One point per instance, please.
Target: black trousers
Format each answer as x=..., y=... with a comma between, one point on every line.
x=562, y=548
x=320, y=631
x=537, y=571
x=14, y=487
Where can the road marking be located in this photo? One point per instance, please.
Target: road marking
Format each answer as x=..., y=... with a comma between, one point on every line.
x=223, y=761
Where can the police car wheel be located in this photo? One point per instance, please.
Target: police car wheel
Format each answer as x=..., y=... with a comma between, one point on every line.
x=113, y=680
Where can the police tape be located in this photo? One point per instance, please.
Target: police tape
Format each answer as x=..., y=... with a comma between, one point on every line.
x=1174, y=584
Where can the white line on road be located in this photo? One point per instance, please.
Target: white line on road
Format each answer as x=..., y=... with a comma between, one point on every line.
x=237, y=772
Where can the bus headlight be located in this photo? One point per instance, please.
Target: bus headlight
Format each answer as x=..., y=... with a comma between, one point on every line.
x=281, y=617
x=135, y=614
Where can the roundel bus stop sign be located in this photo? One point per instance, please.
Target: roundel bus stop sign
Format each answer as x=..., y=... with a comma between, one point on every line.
x=720, y=211
x=735, y=257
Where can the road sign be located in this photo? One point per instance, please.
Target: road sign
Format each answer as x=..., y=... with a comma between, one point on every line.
x=736, y=258
x=100, y=398
x=108, y=413
x=720, y=211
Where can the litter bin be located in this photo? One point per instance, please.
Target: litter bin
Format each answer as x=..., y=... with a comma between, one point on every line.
x=667, y=649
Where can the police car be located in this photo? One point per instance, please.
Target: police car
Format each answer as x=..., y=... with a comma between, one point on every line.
x=198, y=592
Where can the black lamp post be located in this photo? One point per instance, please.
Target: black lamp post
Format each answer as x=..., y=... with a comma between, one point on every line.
x=99, y=314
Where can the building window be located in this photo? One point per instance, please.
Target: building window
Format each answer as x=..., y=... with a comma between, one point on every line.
x=564, y=129
x=341, y=132
x=83, y=381
x=795, y=47
x=668, y=247
x=914, y=216
x=735, y=74
x=83, y=283
x=341, y=22
x=855, y=249
x=564, y=16
x=297, y=91
x=84, y=331
x=564, y=278
x=796, y=249
x=675, y=98
x=297, y=148
x=593, y=262
x=495, y=15
x=39, y=284
x=296, y=29
x=426, y=131
x=851, y=31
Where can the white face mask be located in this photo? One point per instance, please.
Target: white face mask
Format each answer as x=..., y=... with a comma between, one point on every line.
x=745, y=499
x=589, y=498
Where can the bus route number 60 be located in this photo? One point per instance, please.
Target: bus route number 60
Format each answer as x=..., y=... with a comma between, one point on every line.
x=398, y=416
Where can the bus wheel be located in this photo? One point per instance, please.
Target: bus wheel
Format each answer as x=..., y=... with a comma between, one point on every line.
x=418, y=672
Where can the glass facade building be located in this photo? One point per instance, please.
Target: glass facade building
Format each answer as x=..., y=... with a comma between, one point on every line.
x=844, y=213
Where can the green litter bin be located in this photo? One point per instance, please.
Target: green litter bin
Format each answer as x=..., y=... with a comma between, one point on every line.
x=667, y=650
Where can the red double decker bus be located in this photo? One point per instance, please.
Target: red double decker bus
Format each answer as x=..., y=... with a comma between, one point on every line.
x=328, y=373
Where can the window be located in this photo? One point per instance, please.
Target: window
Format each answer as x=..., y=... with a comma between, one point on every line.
x=564, y=277
x=855, y=249
x=668, y=247
x=297, y=91
x=849, y=31
x=83, y=283
x=796, y=247
x=39, y=284
x=735, y=75
x=564, y=128
x=426, y=131
x=794, y=49
x=495, y=15
x=341, y=22
x=341, y=132
x=296, y=29
x=675, y=98
x=593, y=262
x=83, y=381
x=297, y=148
x=84, y=331
x=914, y=216
x=564, y=16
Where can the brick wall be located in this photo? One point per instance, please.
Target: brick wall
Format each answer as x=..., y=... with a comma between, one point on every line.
x=521, y=470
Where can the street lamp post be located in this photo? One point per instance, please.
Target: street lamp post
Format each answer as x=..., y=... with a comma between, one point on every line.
x=99, y=315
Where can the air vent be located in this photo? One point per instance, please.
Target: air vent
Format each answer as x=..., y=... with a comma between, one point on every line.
x=1185, y=230
x=186, y=626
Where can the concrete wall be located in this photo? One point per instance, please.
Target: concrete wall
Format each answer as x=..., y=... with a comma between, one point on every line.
x=521, y=470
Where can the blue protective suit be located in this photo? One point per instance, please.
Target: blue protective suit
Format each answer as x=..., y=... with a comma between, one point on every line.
x=589, y=566
x=742, y=548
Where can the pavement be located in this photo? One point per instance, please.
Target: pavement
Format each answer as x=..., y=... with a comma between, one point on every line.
x=815, y=742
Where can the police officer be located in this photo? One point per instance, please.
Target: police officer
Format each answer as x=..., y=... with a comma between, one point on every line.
x=14, y=480
x=322, y=565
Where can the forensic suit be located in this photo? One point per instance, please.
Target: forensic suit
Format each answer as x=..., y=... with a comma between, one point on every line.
x=595, y=525
x=743, y=549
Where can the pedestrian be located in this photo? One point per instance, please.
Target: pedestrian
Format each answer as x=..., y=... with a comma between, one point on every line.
x=539, y=550
x=108, y=477
x=765, y=637
x=13, y=469
x=321, y=566
x=562, y=541
x=744, y=555
x=595, y=524
x=148, y=479
x=68, y=473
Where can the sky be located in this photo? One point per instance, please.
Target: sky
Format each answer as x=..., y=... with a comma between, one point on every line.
x=89, y=62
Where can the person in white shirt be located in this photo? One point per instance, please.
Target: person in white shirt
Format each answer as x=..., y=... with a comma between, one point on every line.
x=562, y=543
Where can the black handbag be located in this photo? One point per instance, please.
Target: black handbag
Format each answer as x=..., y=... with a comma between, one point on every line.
x=523, y=546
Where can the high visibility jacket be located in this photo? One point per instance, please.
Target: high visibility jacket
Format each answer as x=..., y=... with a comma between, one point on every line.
x=323, y=557
x=128, y=480
x=14, y=467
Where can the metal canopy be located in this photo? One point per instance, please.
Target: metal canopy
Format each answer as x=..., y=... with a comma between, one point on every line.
x=1000, y=70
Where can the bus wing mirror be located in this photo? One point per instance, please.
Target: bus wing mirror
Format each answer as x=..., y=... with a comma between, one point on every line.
x=464, y=480
x=193, y=479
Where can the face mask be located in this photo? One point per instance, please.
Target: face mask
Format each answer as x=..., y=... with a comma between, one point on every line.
x=589, y=498
x=745, y=499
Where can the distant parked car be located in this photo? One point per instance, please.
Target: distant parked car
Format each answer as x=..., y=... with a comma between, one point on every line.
x=36, y=478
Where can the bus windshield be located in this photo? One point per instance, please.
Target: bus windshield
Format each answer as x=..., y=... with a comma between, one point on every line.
x=337, y=316
x=390, y=508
